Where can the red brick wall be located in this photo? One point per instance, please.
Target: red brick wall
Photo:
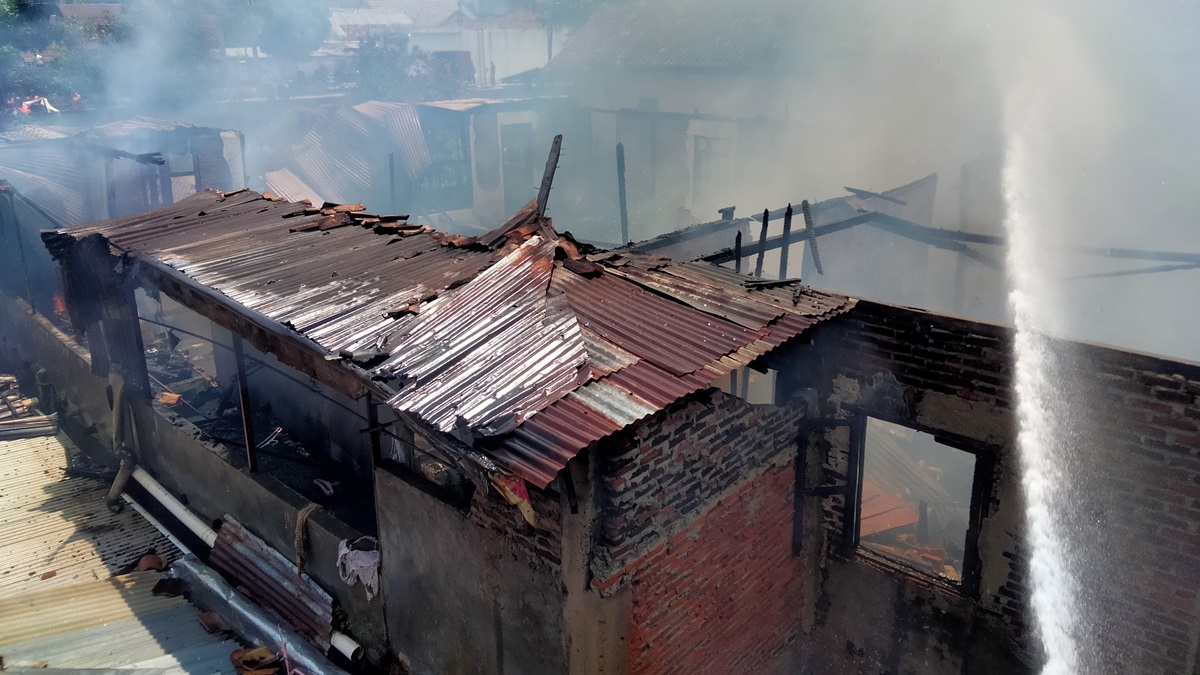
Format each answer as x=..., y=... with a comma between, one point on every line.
x=674, y=469
x=724, y=595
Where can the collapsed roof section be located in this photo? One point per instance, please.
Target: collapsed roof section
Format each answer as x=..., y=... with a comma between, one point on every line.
x=527, y=343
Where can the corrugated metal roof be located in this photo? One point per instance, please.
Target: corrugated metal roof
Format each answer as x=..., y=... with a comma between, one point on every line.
x=404, y=131
x=494, y=334
x=493, y=354
x=57, y=527
x=273, y=581
x=115, y=623
x=701, y=34
x=424, y=13
x=291, y=187
x=61, y=607
x=46, y=173
x=134, y=125
x=22, y=133
x=346, y=153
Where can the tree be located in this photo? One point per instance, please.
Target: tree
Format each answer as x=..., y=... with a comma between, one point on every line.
x=43, y=55
x=388, y=69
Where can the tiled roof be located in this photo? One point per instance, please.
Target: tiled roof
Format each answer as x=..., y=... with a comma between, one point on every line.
x=534, y=347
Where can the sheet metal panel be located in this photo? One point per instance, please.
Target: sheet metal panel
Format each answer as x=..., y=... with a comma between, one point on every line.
x=503, y=344
x=494, y=353
x=403, y=128
x=272, y=581
x=55, y=525
x=673, y=336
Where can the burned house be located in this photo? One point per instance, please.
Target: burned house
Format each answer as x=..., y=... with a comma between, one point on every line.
x=579, y=460
x=79, y=176
x=457, y=164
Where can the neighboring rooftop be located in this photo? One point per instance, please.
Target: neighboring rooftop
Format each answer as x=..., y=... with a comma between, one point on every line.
x=68, y=597
x=697, y=35
x=532, y=344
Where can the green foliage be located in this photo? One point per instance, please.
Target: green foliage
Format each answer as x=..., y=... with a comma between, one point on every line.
x=45, y=55
x=286, y=29
x=389, y=70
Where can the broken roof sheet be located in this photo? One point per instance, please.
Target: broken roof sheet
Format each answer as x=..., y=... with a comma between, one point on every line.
x=515, y=337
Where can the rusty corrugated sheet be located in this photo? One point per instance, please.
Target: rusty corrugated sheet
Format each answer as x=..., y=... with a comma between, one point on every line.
x=490, y=334
x=291, y=187
x=272, y=581
x=403, y=127
x=672, y=335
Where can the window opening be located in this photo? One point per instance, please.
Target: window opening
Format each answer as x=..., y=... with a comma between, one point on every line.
x=749, y=384
x=915, y=500
x=710, y=167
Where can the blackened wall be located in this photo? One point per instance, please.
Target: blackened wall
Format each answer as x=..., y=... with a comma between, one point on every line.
x=471, y=592
x=1133, y=473
x=176, y=454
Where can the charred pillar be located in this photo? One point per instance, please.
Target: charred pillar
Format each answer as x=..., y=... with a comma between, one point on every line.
x=786, y=243
x=622, y=200
x=762, y=244
x=164, y=181
x=244, y=404
x=737, y=252
x=12, y=226
x=392, y=181
x=99, y=293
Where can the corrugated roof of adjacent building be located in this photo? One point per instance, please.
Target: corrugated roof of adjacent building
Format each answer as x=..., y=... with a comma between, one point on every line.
x=424, y=13
x=700, y=34
x=62, y=603
x=535, y=348
x=346, y=152
x=55, y=530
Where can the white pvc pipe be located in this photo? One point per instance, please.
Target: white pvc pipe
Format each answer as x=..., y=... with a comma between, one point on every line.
x=346, y=645
x=338, y=640
x=177, y=509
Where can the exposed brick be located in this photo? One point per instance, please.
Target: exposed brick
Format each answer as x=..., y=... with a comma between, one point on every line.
x=724, y=595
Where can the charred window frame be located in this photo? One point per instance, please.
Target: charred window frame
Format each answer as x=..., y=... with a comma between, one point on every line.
x=848, y=545
x=410, y=457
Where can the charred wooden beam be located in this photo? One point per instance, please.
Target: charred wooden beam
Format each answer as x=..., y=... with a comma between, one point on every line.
x=245, y=405
x=762, y=244
x=786, y=244
x=548, y=177
x=621, y=196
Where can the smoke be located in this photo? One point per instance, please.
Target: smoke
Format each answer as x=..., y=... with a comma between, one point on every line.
x=876, y=94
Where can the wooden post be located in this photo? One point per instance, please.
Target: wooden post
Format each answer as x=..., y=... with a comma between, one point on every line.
x=548, y=176
x=786, y=243
x=392, y=180
x=164, y=182
x=621, y=196
x=244, y=402
x=110, y=188
x=762, y=244
x=737, y=252
x=373, y=425
x=960, y=262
